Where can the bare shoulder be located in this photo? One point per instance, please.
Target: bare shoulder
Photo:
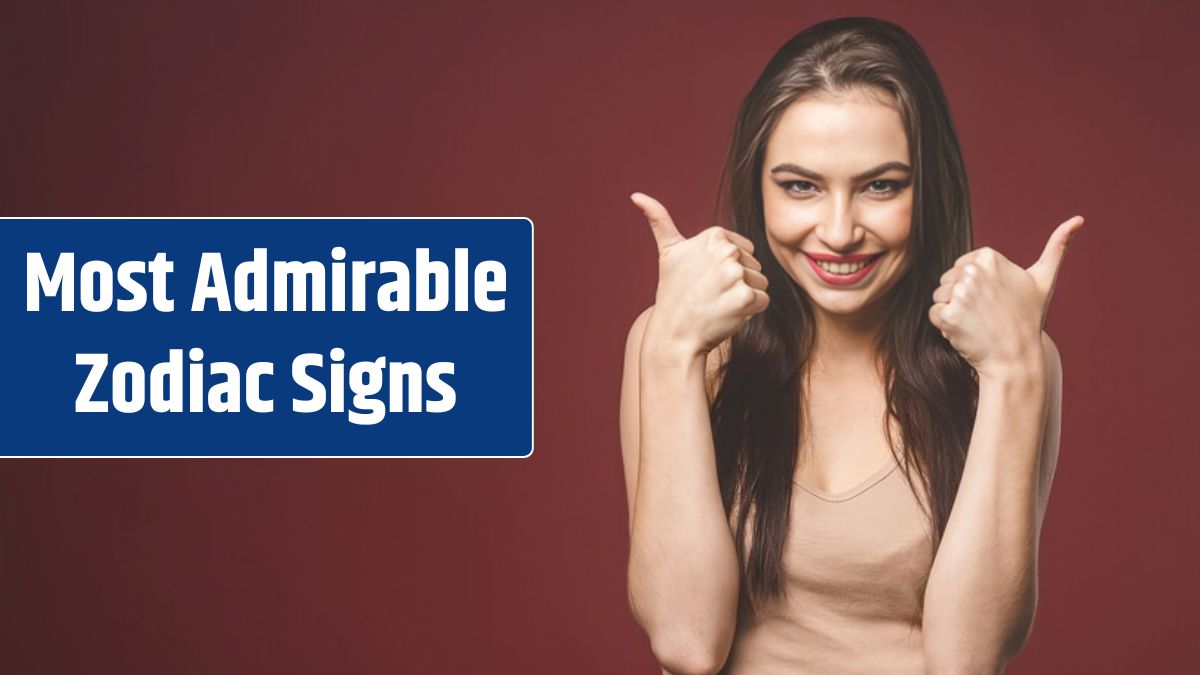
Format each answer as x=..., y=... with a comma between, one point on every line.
x=1054, y=388
x=1052, y=432
x=637, y=330
x=630, y=407
x=1052, y=356
x=1054, y=379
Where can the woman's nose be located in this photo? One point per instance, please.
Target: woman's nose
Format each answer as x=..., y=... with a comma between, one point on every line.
x=837, y=226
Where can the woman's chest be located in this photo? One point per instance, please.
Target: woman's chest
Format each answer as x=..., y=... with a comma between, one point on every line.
x=843, y=438
x=870, y=550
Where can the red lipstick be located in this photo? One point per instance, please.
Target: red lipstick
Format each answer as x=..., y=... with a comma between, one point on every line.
x=825, y=257
x=842, y=279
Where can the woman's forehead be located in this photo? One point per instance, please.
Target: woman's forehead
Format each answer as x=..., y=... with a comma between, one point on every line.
x=842, y=133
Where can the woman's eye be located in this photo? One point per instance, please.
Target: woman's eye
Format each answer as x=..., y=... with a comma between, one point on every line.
x=883, y=187
x=800, y=187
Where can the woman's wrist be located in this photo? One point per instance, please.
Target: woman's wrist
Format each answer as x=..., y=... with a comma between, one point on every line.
x=662, y=347
x=1023, y=360
x=1027, y=372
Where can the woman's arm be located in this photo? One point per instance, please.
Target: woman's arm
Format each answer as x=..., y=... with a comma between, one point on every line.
x=982, y=590
x=683, y=574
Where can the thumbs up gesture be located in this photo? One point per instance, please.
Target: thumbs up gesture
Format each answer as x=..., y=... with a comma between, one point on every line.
x=992, y=311
x=708, y=285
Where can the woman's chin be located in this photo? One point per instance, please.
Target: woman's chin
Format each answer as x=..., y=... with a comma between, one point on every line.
x=839, y=302
x=839, y=308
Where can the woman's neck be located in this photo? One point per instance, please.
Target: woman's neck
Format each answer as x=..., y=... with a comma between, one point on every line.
x=846, y=344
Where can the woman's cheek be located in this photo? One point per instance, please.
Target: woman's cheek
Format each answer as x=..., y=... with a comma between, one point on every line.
x=786, y=222
x=901, y=218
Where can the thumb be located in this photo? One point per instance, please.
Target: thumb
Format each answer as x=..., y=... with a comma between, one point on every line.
x=1045, y=270
x=665, y=232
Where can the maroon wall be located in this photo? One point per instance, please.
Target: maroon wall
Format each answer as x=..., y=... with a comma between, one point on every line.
x=536, y=109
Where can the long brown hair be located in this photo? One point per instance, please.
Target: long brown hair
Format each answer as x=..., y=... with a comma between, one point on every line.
x=931, y=391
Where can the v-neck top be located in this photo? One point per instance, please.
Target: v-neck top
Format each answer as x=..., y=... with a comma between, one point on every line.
x=853, y=492
x=855, y=565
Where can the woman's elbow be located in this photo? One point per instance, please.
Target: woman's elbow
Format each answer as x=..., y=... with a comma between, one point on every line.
x=682, y=654
x=963, y=664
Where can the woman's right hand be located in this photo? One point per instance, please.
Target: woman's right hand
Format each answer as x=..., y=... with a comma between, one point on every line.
x=708, y=285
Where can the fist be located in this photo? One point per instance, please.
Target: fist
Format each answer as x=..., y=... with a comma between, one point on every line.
x=992, y=311
x=708, y=285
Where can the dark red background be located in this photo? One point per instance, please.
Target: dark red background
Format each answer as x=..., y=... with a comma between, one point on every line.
x=532, y=109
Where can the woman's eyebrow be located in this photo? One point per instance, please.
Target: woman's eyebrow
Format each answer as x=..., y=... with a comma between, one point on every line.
x=882, y=168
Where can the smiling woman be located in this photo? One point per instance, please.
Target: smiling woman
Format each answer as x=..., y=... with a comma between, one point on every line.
x=839, y=227
x=800, y=403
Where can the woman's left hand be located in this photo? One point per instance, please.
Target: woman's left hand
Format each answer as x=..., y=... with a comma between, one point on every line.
x=992, y=311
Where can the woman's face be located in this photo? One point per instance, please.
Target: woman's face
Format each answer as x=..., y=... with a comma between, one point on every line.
x=837, y=186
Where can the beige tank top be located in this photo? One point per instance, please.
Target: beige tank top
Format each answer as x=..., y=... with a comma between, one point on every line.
x=855, y=566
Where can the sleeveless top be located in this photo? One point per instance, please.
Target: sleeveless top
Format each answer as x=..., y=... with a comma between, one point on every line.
x=855, y=566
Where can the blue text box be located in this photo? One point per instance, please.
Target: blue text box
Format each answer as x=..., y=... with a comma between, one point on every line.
x=491, y=352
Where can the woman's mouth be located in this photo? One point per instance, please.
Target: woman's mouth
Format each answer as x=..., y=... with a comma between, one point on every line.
x=843, y=274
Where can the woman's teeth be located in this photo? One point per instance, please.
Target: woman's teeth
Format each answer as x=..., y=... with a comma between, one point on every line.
x=844, y=268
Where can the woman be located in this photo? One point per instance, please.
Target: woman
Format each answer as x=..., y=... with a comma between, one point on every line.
x=839, y=423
